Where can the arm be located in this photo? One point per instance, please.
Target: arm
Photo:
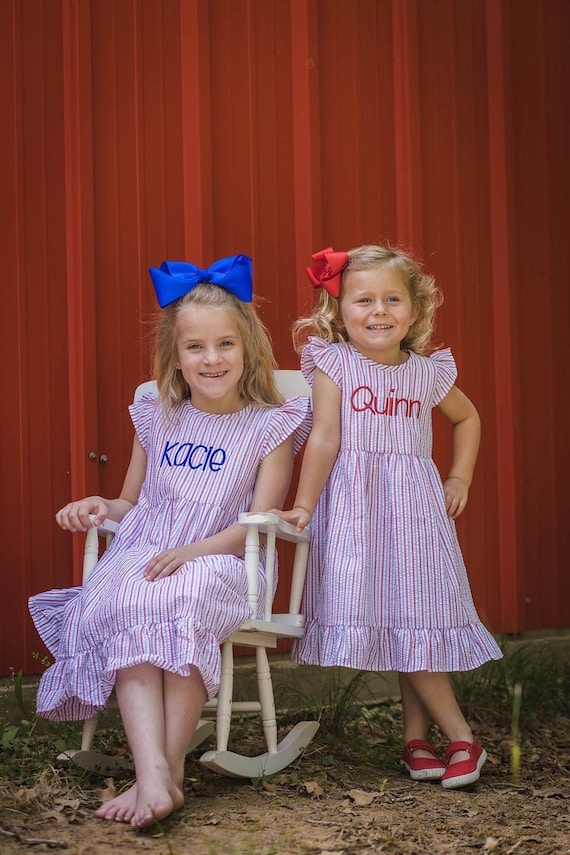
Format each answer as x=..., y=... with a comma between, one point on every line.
x=466, y=434
x=75, y=515
x=321, y=451
x=271, y=485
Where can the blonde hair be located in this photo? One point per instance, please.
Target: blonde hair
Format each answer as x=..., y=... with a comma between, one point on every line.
x=257, y=383
x=326, y=319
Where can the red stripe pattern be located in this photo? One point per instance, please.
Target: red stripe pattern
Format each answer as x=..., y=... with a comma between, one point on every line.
x=387, y=587
x=201, y=473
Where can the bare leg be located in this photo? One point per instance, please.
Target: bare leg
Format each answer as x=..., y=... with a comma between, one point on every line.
x=435, y=695
x=184, y=700
x=160, y=712
x=140, y=685
x=417, y=719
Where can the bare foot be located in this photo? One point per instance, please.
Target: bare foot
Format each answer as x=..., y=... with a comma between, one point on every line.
x=121, y=808
x=156, y=799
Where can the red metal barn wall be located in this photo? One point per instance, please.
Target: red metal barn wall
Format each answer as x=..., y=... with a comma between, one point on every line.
x=139, y=130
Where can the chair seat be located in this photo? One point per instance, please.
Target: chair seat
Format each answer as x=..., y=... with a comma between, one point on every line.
x=280, y=629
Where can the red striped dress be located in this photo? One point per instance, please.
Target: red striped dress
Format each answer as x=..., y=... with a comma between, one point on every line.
x=387, y=587
x=201, y=472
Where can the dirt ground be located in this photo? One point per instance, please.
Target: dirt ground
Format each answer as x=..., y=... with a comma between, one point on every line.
x=343, y=797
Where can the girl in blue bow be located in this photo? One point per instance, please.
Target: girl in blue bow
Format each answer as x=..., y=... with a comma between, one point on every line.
x=218, y=440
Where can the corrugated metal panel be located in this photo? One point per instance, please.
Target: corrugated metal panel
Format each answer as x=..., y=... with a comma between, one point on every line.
x=540, y=255
x=149, y=129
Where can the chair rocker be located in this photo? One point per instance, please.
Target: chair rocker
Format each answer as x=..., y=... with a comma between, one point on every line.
x=260, y=634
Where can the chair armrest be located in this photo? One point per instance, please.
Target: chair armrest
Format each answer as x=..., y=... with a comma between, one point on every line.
x=272, y=522
x=91, y=550
x=273, y=526
x=108, y=527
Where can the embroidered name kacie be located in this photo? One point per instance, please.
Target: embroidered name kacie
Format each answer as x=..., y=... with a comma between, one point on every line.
x=193, y=455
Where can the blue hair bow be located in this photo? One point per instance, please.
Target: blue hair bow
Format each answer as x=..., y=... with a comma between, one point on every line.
x=174, y=279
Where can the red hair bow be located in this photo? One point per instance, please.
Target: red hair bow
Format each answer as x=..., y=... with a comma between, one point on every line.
x=326, y=271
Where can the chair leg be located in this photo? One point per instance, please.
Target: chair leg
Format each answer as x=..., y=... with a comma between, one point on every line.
x=265, y=689
x=277, y=756
x=87, y=736
x=88, y=733
x=93, y=761
x=225, y=694
x=204, y=729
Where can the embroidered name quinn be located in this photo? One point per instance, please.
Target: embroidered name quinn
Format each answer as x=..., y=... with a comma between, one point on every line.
x=193, y=455
x=363, y=398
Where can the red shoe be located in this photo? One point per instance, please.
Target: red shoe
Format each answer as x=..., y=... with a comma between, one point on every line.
x=422, y=768
x=465, y=771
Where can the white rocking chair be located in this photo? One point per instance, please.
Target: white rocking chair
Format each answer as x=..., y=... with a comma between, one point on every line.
x=260, y=634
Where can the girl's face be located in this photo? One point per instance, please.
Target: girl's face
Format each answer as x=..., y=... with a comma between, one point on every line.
x=211, y=357
x=377, y=311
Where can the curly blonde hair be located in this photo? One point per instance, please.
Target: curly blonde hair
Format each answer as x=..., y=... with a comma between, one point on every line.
x=326, y=319
x=257, y=383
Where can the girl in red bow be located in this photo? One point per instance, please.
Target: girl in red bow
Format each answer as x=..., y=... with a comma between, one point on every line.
x=387, y=588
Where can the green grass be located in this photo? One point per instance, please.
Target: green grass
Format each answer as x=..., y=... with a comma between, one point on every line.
x=541, y=670
x=29, y=744
x=529, y=686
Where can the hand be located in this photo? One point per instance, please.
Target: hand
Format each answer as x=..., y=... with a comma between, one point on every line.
x=297, y=516
x=456, y=493
x=75, y=515
x=166, y=563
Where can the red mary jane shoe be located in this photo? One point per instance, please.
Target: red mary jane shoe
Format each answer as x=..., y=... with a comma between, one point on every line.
x=422, y=768
x=465, y=771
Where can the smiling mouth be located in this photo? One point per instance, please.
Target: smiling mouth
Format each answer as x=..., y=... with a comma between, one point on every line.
x=213, y=375
x=374, y=327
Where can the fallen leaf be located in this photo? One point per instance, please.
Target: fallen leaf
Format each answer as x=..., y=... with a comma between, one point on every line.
x=56, y=815
x=313, y=788
x=110, y=791
x=361, y=798
x=551, y=794
x=68, y=804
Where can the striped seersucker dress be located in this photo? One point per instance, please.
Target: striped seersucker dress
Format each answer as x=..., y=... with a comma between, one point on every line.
x=200, y=475
x=387, y=588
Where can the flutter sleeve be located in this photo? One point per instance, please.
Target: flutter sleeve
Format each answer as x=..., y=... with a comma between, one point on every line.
x=142, y=413
x=445, y=375
x=318, y=354
x=291, y=418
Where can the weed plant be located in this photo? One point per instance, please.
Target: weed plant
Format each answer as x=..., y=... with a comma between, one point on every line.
x=31, y=745
x=353, y=726
x=335, y=701
x=341, y=702
x=529, y=686
x=539, y=671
